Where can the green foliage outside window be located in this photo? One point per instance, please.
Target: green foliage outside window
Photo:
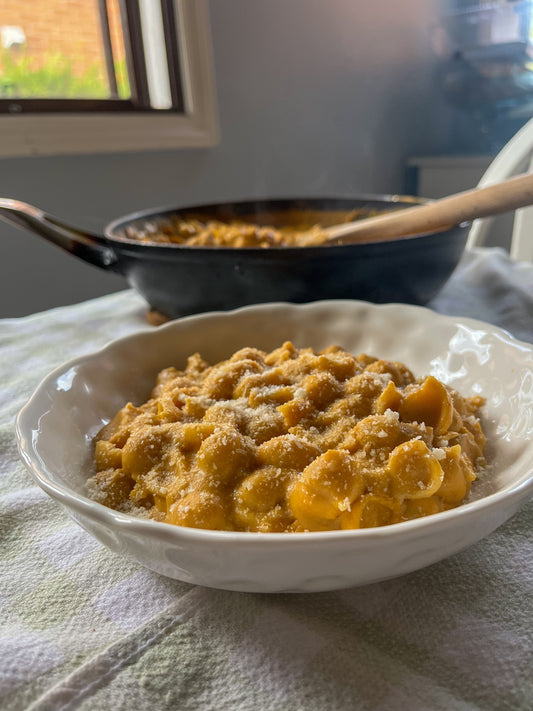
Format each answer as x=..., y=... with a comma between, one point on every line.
x=53, y=77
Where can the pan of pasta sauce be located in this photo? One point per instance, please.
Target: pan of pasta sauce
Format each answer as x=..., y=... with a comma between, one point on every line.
x=186, y=260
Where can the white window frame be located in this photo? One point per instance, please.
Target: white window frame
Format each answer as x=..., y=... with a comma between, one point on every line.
x=100, y=132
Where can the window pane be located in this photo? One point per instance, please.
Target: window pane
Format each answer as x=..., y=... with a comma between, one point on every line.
x=56, y=49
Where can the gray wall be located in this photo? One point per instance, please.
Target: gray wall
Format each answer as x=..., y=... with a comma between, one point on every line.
x=314, y=98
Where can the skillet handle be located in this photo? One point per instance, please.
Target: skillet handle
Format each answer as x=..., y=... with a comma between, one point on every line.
x=91, y=248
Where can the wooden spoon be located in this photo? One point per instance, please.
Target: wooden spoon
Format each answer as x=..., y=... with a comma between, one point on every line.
x=438, y=215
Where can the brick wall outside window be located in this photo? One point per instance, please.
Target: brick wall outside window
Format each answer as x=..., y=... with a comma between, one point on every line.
x=67, y=27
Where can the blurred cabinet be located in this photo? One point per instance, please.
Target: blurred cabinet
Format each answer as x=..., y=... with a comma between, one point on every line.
x=437, y=176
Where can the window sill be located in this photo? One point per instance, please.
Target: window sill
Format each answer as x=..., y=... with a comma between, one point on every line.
x=104, y=133
x=53, y=134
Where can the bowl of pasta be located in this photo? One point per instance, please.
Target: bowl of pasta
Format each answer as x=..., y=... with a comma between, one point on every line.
x=285, y=447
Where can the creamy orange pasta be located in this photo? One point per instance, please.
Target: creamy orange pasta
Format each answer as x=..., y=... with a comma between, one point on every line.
x=236, y=233
x=291, y=440
x=289, y=228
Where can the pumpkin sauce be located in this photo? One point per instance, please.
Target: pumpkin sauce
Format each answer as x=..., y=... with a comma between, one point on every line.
x=291, y=440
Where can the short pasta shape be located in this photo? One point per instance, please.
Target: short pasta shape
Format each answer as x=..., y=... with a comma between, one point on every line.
x=293, y=440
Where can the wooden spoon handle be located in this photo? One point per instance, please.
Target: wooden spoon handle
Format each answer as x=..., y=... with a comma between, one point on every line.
x=440, y=214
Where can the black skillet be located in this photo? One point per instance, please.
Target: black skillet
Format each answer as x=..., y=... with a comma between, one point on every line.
x=178, y=280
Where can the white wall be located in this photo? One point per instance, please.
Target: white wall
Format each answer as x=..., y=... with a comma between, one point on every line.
x=314, y=98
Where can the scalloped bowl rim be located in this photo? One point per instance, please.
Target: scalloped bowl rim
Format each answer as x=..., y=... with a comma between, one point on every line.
x=512, y=492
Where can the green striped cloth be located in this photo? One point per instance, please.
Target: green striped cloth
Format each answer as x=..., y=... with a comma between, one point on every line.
x=82, y=628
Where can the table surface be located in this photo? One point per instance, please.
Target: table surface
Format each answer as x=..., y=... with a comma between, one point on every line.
x=82, y=628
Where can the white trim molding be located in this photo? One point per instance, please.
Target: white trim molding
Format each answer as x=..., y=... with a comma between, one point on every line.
x=52, y=134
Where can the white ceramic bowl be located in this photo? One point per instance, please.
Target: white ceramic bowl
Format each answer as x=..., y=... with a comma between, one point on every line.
x=56, y=427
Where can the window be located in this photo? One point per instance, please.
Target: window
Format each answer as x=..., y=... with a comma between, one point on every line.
x=104, y=75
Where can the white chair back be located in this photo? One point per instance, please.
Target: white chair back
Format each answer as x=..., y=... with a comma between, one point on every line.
x=515, y=157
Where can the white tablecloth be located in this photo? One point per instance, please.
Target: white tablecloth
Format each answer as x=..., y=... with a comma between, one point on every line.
x=82, y=628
